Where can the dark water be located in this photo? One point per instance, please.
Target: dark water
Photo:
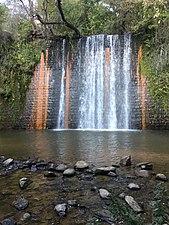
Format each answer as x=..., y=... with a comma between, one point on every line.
x=97, y=147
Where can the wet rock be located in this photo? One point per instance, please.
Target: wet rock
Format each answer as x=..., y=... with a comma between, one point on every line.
x=8, y=162
x=133, y=186
x=81, y=165
x=104, y=193
x=33, y=168
x=8, y=222
x=133, y=204
x=52, y=167
x=145, y=165
x=86, y=177
x=105, y=170
x=21, y=203
x=112, y=174
x=49, y=174
x=161, y=176
x=26, y=216
x=61, y=167
x=72, y=203
x=141, y=164
x=42, y=165
x=69, y=172
x=61, y=209
x=24, y=182
x=142, y=173
x=126, y=161
x=122, y=195
x=105, y=216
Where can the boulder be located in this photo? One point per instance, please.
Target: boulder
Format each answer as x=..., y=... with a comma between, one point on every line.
x=104, y=170
x=61, y=167
x=126, y=161
x=8, y=162
x=69, y=172
x=81, y=165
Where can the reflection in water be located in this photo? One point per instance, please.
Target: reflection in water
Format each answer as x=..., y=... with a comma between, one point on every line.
x=96, y=147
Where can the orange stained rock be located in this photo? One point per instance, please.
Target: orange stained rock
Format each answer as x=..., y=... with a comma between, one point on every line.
x=143, y=88
x=41, y=94
x=140, y=53
x=47, y=73
x=68, y=74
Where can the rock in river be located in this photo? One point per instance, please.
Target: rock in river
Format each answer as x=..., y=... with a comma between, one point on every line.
x=69, y=172
x=20, y=203
x=81, y=165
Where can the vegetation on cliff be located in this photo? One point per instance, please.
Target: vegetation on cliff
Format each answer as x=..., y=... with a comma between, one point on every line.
x=25, y=28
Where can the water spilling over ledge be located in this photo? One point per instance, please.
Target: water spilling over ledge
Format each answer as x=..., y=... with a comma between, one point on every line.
x=94, y=83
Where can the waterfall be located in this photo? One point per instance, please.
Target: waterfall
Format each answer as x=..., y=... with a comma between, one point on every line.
x=100, y=83
x=61, y=114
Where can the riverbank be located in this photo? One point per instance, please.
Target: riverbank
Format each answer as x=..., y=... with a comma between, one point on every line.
x=35, y=191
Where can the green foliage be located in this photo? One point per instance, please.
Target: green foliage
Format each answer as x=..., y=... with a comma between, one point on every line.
x=122, y=213
x=4, y=14
x=160, y=205
x=16, y=71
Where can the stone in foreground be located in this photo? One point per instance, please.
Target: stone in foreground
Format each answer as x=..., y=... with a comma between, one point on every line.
x=133, y=186
x=133, y=204
x=8, y=222
x=161, y=176
x=24, y=182
x=61, y=209
x=104, y=193
x=21, y=203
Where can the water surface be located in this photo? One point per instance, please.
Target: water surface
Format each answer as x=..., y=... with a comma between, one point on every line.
x=99, y=147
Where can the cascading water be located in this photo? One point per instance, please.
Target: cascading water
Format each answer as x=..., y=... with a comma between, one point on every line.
x=61, y=114
x=103, y=70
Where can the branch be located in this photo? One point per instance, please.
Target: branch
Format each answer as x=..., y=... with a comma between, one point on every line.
x=47, y=23
x=71, y=26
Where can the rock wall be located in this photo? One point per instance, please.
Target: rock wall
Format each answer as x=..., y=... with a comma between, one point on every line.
x=42, y=104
